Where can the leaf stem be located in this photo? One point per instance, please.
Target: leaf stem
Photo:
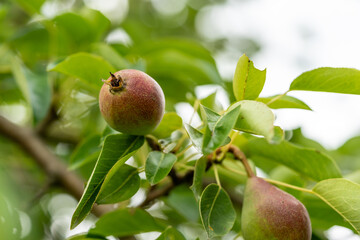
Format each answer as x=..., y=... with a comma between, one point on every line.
x=187, y=167
x=184, y=150
x=234, y=170
x=180, y=142
x=216, y=173
x=225, y=149
x=189, y=157
x=274, y=182
x=277, y=98
x=288, y=185
x=196, y=106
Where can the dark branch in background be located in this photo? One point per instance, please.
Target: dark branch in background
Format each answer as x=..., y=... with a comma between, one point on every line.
x=51, y=165
x=156, y=192
x=51, y=116
x=42, y=129
x=153, y=143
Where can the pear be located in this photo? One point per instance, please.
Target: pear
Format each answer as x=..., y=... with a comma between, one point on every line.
x=270, y=213
x=132, y=102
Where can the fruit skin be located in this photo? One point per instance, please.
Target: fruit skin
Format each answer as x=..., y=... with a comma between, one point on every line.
x=270, y=213
x=135, y=107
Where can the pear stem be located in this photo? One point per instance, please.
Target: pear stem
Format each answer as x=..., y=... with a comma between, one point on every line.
x=239, y=155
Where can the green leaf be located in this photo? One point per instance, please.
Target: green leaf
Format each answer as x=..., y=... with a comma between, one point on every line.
x=248, y=81
x=120, y=184
x=111, y=55
x=343, y=196
x=88, y=67
x=178, y=71
x=158, y=166
x=309, y=162
x=75, y=26
x=128, y=222
x=35, y=88
x=169, y=123
x=353, y=176
x=195, y=135
x=6, y=58
x=40, y=93
x=284, y=102
x=278, y=135
x=322, y=215
x=85, y=236
x=287, y=175
x=182, y=200
x=299, y=139
x=99, y=24
x=171, y=233
x=10, y=226
x=209, y=117
x=222, y=128
x=255, y=117
x=210, y=102
x=350, y=147
x=31, y=7
x=187, y=46
x=33, y=36
x=116, y=148
x=199, y=172
x=337, y=80
x=216, y=210
x=85, y=151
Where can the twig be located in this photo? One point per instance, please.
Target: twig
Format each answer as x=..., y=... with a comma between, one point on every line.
x=153, y=143
x=155, y=193
x=50, y=164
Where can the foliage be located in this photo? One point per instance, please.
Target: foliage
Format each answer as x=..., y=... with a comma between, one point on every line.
x=52, y=68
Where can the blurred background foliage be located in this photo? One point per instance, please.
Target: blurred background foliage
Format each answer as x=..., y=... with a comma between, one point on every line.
x=39, y=90
x=158, y=37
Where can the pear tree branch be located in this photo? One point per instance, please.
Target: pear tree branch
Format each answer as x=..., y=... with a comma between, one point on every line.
x=29, y=141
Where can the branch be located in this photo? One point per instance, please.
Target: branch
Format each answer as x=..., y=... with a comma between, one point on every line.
x=157, y=192
x=51, y=165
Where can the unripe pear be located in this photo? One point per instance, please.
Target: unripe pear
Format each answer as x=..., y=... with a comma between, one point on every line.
x=132, y=102
x=270, y=213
